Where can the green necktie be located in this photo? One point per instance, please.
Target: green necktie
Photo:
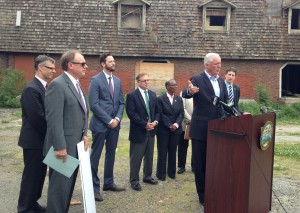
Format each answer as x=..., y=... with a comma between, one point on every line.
x=148, y=105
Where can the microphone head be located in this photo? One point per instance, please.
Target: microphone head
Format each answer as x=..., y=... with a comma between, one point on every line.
x=215, y=100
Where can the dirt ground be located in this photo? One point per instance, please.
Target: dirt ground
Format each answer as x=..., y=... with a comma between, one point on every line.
x=169, y=196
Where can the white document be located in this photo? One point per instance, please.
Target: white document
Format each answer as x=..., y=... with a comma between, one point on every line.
x=86, y=179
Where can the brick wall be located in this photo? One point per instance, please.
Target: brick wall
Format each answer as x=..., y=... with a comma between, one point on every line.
x=250, y=72
x=3, y=60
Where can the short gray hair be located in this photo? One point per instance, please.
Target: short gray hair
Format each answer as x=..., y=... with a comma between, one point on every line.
x=41, y=60
x=208, y=57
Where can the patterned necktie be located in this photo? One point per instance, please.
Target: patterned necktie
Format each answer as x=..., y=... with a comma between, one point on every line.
x=230, y=94
x=110, y=87
x=148, y=105
x=83, y=105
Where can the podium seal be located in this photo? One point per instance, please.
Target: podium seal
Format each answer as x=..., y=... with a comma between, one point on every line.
x=266, y=135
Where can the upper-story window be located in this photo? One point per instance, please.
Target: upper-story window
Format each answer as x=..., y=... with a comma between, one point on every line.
x=294, y=18
x=131, y=14
x=216, y=15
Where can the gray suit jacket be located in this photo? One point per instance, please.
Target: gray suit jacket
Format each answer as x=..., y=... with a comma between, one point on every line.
x=65, y=116
x=104, y=107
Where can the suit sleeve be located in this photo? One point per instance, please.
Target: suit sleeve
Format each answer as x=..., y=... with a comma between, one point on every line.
x=54, y=105
x=164, y=119
x=32, y=105
x=95, y=103
x=132, y=113
x=121, y=103
x=180, y=115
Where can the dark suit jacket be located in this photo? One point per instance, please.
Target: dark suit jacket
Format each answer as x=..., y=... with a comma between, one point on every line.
x=138, y=115
x=204, y=110
x=104, y=107
x=34, y=123
x=236, y=94
x=65, y=116
x=170, y=113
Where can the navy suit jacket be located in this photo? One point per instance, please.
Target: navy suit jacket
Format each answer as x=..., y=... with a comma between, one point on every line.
x=34, y=125
x=138, y=115
x=170, y=114
x=104, y=107
x=236, y=94
x=204, y=110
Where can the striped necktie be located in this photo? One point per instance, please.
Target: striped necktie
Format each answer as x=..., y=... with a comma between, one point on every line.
x=230, y=94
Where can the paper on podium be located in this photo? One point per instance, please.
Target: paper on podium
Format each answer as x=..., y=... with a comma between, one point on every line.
x=86, y=179
x=66, y=168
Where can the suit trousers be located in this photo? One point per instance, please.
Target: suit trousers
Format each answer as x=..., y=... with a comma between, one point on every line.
x=182, y=151
x=33, y=178
x=138, y=151
x=60, y=191
x=110, y=139
x=166, y=149
x=199, y=163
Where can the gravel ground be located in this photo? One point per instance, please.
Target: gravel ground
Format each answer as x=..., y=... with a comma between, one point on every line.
x=170, y=196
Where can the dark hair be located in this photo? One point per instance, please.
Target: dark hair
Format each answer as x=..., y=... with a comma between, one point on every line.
x=233, y=69
x=140, y=75
x=67, y=57
x=103, y=57
x=42, y=59
x=168, y=82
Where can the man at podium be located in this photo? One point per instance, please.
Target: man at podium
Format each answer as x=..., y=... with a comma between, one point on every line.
x=203, y=87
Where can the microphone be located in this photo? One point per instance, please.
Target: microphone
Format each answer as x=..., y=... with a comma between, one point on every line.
x=229, y=108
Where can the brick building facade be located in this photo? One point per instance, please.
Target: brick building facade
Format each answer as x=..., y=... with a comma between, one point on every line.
x=260, y=38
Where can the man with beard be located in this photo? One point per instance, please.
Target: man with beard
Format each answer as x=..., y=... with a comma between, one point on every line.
x=107, y=104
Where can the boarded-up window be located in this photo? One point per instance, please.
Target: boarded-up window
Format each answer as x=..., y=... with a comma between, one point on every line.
x=158, y=72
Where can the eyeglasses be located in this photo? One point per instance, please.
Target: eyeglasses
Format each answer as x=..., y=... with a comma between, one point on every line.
x=173, y=85
x=82, y=64
x=50, y=68
x=144, y=81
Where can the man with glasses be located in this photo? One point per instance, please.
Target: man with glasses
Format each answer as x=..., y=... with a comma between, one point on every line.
x=107, y=104
x=67, y=122
x=142, y=110
x=32, y=135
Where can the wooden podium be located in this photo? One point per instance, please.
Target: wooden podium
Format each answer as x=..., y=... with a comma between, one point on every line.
x=239, y=173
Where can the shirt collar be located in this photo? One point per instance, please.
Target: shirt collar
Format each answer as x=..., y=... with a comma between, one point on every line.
x=74, y=80
x=107, y=76
x=210, y=77
x=42, y=81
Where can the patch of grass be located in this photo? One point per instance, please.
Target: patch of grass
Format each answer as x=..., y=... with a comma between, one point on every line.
x=284, y=166
x=5, y=122
x=288, y=150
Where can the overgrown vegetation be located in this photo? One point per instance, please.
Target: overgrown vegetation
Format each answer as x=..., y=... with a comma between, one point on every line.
x=286, y=114
x=11, y=85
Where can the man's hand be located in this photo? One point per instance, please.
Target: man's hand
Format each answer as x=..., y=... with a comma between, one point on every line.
x=114, y=124
x=173, y=127
x=192, y=89
x=61, y=154
x=150, y=126
x=86, y=142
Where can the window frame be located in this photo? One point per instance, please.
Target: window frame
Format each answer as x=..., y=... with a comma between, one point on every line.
x=132, y=3
x=290, y=30
x=219, y=6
